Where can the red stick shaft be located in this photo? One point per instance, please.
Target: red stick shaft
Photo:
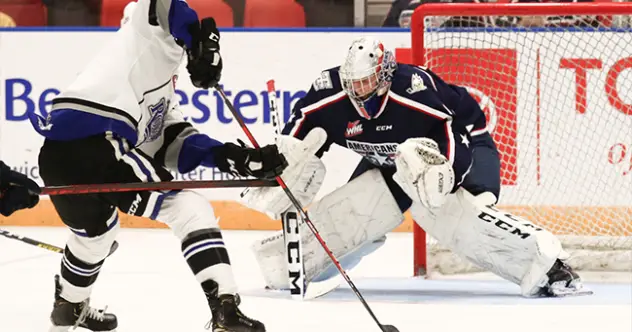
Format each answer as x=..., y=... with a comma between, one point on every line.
x=144, y=186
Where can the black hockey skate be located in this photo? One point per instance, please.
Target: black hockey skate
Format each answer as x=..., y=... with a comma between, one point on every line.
x=68, y=315
x=561, y=280
x=226, y=316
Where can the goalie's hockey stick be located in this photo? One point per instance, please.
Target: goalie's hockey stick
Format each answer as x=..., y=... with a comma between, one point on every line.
x=43, y=245
x=289, y=219
x=303, y=214
x=143, y=186
x=274, y=110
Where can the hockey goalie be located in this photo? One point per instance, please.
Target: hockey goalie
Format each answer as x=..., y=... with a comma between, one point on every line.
x=425, y=147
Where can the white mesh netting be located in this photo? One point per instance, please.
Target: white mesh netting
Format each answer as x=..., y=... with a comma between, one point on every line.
x=558, y=97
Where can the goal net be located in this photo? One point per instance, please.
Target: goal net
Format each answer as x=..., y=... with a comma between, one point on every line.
x=555, y=81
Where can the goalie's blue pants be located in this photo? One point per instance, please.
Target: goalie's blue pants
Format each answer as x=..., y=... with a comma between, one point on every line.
x=484, y=176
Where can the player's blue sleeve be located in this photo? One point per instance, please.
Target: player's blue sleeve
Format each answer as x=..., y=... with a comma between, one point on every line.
x=454, y=143
x=184, y=148
x=174, y=16
x=197, y=149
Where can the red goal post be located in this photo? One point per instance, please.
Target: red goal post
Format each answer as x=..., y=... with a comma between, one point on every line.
x=562, y=117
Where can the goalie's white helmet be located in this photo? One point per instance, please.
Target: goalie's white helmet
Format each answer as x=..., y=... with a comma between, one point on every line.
x=368, y=69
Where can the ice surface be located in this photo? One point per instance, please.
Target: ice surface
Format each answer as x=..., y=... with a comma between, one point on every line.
x=149, y=286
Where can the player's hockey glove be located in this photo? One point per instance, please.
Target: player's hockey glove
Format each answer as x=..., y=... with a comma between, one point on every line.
x=240, y=160
x=204, y=61
x=17, y=191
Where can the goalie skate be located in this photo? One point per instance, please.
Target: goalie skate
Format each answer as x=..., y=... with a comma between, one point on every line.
x=561, y=281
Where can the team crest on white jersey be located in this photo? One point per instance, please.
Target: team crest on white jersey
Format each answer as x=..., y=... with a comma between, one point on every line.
x=353, y=129
x=44, y=124
x=380, y=154
x=157, y=120
x=416, y=84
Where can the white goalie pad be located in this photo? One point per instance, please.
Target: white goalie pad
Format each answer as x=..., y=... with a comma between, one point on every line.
x=509, y=246
x=353, y=215
x=304, y=176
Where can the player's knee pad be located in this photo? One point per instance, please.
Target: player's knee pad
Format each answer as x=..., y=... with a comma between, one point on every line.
x=93, y=249
x=348, y=218
x=186, y=212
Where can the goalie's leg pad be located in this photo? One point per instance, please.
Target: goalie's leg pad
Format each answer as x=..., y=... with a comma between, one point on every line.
x=507, y=245
x=350, y=260
x=348, y=218
x=402, y=199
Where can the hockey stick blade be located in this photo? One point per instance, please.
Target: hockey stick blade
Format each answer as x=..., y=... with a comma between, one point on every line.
x=389, y=328
x=30, y=241
x=43, y=245
x=303, y=214
x=113, y=248
x=144, y=186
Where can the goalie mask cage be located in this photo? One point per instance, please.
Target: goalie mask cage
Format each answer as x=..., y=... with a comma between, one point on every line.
x=558, y=99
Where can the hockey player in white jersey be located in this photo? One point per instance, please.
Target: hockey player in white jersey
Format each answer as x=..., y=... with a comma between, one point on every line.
x=118, y=122
x=425, y=147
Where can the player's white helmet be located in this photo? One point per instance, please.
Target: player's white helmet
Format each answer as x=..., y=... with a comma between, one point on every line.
x=368, y=69
x=127, y=12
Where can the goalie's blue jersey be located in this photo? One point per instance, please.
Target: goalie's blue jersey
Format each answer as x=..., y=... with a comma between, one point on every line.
x=418, y=104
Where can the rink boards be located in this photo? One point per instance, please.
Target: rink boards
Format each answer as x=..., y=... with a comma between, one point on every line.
x=546, y=169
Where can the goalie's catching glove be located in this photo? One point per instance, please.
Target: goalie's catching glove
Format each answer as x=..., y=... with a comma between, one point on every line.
x=241, y=160
x=423, y=172
x=204, y=61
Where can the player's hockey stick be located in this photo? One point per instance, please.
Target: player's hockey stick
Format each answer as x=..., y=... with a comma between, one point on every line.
x=135, y=186
x=303, y=214
x=142, y=186
x=43, y=245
